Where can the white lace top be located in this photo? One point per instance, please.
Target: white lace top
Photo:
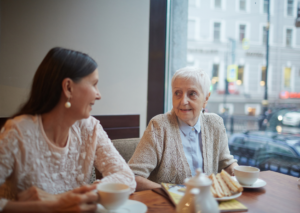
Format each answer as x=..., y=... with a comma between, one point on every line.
x=28, y=158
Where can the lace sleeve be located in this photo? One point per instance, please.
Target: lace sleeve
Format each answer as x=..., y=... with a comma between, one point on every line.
x=8, y=150
x=110, y=163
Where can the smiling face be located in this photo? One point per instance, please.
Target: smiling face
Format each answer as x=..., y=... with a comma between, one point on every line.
x=84, y=94
x=188, y=100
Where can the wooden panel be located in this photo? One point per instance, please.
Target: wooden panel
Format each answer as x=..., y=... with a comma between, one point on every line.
x=119, y=133
x=156, y=64
x=120, y=126
x=116, y=126
x=114, y=121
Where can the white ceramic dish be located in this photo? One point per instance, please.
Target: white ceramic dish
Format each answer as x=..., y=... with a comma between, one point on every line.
x=258, y=184
x=229, y=198
x=131, y=206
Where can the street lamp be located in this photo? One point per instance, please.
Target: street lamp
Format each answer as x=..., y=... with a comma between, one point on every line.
x=265, y=102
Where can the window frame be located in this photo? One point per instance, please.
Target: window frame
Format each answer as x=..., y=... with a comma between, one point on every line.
x=156, y=58
x=294, y=11
x=247, y=6
x=244, y=33
x=223, y=5
x=272, y=3
x=196, y=36
x=294, y=36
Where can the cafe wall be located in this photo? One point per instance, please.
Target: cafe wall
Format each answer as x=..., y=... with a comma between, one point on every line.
x=114, y=33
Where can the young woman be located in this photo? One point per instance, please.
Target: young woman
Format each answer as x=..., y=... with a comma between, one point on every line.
x=50, y=146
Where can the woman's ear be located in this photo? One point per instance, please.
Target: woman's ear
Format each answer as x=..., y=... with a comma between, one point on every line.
x=67, y=87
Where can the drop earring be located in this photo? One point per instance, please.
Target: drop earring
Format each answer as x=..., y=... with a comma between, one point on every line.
x=68, y=104
x=203, y=110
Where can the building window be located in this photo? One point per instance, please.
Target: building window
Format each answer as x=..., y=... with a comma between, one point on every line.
x=217, y=31
x=287, y=77
x=240, y=76
x=218, y=3
x=266, y=5
x=263, y=76
x=191, y=29
x=264, y=39
x=290, y=7
x=289, y=37
x=242, y=32
x=215, y=76
x=242, y=5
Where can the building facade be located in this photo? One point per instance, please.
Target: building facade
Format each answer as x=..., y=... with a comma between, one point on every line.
x=224, y=33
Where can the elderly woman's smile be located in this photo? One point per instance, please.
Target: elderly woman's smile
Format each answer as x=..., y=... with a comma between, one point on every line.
x=188, y=100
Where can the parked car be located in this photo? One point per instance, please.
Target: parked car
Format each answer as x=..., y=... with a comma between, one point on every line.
x=280, y=118
x=291, y=119
x=288, y=144
x=267, y=150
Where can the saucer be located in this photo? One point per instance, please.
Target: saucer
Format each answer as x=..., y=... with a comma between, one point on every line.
x=131, y=206
x=258, y=183
x=229, y=198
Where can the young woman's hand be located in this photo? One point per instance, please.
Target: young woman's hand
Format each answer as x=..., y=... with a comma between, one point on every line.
x=82, y=199
x=36, y=194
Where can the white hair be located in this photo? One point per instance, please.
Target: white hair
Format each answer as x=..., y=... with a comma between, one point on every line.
x=194, y=73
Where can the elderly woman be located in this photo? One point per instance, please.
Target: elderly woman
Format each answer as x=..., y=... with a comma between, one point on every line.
x=175, y=144
x=51, y=145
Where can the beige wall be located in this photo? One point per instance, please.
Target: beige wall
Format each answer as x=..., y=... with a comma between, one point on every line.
x=113, y=32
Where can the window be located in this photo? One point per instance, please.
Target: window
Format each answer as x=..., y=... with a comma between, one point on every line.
x=289, y=38
x=217, y=31
x=240, y=77
x=242, y=32
x=218, y=3
x=263, y=76
x=242, y=5
x=266, y=5
x=287, y=77
x=191, y=29
x=290, y=7
x=264, y=39
x=215, y=76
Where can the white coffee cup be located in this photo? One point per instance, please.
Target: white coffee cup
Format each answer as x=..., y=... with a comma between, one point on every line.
x=246, y=175
x=112, y=195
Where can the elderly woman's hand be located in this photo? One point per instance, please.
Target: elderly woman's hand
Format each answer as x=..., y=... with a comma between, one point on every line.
x=229, y=169
x=36, y=194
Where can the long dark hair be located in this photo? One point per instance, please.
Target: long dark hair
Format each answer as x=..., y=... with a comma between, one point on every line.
x=58, y=64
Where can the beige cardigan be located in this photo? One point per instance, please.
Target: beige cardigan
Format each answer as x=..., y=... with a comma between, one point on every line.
x=160, y=157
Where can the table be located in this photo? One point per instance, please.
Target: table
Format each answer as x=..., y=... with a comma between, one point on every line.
x=281, y=194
